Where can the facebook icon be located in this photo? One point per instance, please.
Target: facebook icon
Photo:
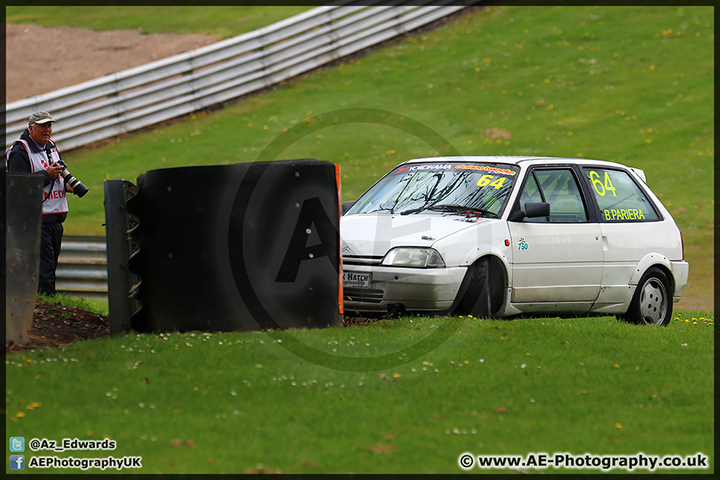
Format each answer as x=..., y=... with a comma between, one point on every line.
x=17, y=462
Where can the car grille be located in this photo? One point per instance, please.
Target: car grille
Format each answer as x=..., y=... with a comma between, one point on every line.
x=358, y=260
x=367, y=295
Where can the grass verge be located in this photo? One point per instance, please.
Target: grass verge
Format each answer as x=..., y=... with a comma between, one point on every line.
x=243, y=403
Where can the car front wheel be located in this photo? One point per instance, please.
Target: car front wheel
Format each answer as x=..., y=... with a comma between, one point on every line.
x=652, y=302
x=481, y=292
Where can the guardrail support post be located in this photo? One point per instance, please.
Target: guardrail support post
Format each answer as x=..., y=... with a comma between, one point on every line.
x=22, y=253
x=120, y=279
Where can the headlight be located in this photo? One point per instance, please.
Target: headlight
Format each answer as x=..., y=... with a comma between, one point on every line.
x=415, y=257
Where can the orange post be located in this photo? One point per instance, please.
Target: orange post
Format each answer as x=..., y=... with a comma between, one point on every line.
x=341, y=303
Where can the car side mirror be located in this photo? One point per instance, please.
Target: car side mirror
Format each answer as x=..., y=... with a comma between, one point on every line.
x=346, y=206
x=539, y=209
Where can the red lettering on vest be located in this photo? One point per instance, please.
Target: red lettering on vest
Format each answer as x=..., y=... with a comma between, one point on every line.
x=55, y=194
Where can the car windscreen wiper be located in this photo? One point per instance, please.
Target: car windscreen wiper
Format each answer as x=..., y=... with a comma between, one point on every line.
x=451, y=208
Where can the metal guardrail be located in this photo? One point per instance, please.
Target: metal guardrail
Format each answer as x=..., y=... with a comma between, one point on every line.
x=181, y=84
x=82, y=268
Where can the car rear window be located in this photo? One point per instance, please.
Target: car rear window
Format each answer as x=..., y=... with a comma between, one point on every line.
x=619, y=198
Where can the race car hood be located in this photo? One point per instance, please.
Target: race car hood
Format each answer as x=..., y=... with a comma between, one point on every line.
x=374, y=235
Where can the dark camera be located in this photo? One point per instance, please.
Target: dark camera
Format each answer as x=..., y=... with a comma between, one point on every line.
x=79, y=188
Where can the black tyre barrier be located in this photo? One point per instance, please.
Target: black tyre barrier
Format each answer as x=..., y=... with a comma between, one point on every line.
x=237, y=247
x=22, y=252
x=119, y=247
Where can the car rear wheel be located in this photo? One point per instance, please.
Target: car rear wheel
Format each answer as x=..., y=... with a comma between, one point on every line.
x=481, y=291
x=652, y=302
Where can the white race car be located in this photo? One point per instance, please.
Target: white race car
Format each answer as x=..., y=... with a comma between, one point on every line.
x=500, y=236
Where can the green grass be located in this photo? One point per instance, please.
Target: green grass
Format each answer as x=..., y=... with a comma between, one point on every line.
x=244, y=402
x=222, y=21
x=592, y=82
x=88, y=304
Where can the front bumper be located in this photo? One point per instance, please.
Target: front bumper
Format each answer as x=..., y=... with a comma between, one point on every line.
x=411, y=289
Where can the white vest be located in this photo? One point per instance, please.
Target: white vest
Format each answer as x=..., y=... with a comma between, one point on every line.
x=54, y=199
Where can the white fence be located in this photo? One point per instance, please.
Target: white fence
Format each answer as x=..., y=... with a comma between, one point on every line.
x=181, y=84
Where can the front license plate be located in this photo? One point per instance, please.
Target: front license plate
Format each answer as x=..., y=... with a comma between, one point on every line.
x=357, y=280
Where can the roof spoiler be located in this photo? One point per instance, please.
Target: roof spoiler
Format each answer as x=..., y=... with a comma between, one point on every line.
x=639, y=173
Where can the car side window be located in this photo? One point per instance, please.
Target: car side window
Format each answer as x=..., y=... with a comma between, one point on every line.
x=531, y=194
x=620, y=199
x=560, y=189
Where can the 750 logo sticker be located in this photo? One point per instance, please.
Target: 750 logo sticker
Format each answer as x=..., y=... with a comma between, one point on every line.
x=522, y=245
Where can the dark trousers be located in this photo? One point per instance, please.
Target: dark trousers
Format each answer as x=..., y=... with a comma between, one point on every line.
x=50, y=241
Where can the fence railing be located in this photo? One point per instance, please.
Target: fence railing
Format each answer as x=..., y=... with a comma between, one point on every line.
x=82, y=267
x=146, y=95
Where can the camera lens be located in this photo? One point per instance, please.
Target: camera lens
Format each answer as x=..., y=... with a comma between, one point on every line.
x=78, y=187
x=81, y=189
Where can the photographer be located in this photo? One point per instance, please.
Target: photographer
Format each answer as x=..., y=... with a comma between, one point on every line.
x=35, y=153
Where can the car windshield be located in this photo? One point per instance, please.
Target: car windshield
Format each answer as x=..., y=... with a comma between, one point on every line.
x=441, y=189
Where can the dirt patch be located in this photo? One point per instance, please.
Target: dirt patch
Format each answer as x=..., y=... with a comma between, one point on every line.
x=55, y=326
x=496, y=133
x=43, y=59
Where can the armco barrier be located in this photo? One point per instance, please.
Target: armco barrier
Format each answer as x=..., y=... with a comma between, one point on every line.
x=233, y=247
x=169, y=88
x=82, y=268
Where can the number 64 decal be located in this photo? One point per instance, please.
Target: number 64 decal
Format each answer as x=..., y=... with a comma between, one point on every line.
x=600, y=187
x=486, y=179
